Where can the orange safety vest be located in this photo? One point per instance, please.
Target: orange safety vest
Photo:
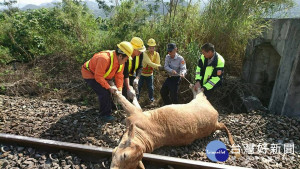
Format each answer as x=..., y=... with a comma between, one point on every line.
x=148, y=69
x=111, y=53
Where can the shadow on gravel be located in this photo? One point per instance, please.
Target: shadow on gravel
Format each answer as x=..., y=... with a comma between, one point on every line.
x=86, y=127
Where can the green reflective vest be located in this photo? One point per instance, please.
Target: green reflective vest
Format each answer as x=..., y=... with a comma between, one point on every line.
x=111, y=53
x=137, y=61
x=210, y=75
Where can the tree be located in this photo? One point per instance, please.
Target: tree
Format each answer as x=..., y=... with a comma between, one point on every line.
x=9, y=4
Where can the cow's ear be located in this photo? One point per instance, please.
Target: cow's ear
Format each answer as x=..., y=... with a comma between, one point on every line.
x=139, y=152
x=131, y=131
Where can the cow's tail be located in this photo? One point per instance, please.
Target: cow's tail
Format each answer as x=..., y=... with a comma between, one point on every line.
x=236, y=152
x=221, y=126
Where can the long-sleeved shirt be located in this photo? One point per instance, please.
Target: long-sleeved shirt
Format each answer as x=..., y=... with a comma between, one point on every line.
x=137, y=71
x=150, y=62
x=99, y=65
x=177, y=63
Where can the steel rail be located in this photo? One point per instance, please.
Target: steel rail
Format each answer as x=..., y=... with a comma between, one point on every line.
x=93, y=153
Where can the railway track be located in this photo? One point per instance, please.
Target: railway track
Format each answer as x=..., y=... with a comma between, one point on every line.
x=92, y=153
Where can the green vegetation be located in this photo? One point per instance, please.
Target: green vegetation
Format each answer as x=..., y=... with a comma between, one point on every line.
x=70, y=30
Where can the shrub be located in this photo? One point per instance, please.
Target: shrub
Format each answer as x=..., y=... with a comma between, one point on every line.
x=5, y=56
x=68, y=28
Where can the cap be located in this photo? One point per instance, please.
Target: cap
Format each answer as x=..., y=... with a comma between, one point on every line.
x=171, y=47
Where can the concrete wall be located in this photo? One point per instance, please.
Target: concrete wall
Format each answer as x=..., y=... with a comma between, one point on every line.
x=260, y=70
x=292, y=103
x=272, y=61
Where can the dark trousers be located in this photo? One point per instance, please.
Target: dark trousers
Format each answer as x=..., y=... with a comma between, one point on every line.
x=169, y=90
x=124, y=91
x=104, y=96
x=208, y=93
x=149, y=83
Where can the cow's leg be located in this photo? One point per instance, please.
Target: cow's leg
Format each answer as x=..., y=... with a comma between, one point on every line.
x=134, y=99
x=136, y=103
x=127, y=106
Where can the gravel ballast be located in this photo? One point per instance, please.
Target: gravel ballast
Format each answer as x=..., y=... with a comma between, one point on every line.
x=59, y=121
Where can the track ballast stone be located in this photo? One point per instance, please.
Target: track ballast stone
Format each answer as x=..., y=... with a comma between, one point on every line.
x=59, y=121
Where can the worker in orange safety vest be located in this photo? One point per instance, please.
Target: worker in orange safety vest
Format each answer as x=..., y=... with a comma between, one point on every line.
x=103, y=67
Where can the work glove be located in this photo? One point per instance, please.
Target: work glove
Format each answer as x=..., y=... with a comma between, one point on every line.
x=135, y=83
x=130, y=93
x=161, y=68
x=113, y=89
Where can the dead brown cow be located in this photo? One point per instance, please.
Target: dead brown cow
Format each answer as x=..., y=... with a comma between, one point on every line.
x=170, y=125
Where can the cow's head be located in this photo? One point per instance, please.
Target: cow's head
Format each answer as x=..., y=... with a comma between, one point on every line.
x=128, y=154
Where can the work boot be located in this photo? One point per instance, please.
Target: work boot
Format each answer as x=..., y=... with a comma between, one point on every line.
x=108, y=118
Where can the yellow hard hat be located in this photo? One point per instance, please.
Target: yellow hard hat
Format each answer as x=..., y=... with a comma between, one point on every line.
x=126, y=48
x=138, y=44
x=151, y=42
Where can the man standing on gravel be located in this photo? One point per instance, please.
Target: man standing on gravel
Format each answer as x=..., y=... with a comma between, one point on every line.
x=151, y=61
x=102, y=68
x=209, y=70
x=176, y=68
x=133, y=67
